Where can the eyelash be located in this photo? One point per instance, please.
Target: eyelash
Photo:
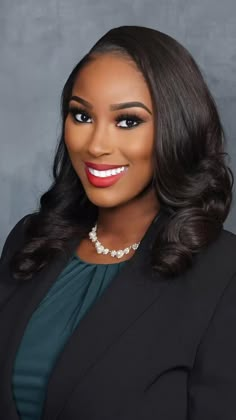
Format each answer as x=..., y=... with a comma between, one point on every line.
x=125, y=116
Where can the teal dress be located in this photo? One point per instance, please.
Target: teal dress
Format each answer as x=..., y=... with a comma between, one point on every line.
x=59, y=313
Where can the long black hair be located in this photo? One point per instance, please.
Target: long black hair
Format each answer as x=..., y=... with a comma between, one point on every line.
x=191, y=178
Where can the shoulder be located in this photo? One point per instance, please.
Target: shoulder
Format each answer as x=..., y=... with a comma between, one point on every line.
x=215, y=264
x=15, y=237
x=227, y=237
x=212, y=274
x=220, y=253
x=199, y=289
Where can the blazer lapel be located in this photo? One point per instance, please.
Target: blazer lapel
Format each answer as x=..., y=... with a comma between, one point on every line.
x=125, y=299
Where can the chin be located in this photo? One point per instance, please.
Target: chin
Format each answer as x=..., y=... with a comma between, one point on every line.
x=105, y=200
x=104, y=203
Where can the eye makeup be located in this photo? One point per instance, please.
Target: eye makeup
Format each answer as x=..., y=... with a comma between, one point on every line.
x=132, y=117
x=74, y=110
x=129, y=117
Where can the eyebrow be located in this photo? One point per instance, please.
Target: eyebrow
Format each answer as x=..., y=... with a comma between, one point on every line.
x=113, y=107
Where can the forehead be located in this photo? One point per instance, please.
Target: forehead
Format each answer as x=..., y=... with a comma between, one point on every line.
x=111, y=78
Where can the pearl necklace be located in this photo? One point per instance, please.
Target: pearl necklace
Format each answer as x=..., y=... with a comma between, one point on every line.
x=102, y=250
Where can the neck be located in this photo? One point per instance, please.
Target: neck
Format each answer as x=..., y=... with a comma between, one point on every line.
x=128, y=223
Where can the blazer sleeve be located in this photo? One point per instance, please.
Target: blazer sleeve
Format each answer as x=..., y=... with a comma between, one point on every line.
x=212, y=383
x=14, y=238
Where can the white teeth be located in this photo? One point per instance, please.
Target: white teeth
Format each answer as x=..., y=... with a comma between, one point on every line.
x=104, y=174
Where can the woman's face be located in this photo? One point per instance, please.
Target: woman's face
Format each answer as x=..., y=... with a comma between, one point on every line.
x=111, y=123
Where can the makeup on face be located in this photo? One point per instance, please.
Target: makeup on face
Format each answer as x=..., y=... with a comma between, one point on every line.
x=105, y=175
x=109, y=131
x=113, y=107
x=104, y=178
x=82, y=116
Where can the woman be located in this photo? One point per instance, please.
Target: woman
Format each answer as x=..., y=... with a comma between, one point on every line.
x=118, y=296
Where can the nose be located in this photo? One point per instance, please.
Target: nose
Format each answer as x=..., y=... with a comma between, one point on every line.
x=100, y=141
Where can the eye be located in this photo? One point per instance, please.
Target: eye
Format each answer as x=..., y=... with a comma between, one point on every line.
x=80, y=116
x=128, y=121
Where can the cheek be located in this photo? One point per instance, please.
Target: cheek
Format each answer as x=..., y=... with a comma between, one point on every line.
x=141, y=149
x=69, y=134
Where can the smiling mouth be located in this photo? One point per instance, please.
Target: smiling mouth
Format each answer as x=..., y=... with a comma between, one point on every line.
x=107, y=173
x=103, y=179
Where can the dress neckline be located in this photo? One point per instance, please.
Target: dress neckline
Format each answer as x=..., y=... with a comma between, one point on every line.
x=95, y=264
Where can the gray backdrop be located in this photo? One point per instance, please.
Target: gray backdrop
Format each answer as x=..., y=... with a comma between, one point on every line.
x=41, y=41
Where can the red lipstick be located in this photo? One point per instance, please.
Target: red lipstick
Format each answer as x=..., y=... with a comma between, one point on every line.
x=103, y=182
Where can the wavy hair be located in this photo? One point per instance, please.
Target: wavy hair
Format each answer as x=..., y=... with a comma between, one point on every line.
x=191, y=178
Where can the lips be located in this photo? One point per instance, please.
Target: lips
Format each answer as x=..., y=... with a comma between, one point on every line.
x=102, y=166
x=103, y=182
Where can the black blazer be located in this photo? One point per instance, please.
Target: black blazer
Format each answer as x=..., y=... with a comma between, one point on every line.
x=149, y=348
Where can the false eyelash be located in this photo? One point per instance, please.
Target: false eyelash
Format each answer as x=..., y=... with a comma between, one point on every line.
x=75, y=110
x=121, y=117
x=132, y=116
